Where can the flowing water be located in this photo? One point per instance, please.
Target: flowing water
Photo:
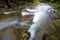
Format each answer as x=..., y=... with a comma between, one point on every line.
x=41, y=15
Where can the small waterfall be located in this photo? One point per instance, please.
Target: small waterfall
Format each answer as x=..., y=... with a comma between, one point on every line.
x=42, y=15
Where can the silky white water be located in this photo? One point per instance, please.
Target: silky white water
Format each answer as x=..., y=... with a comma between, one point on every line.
x=42, y=15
